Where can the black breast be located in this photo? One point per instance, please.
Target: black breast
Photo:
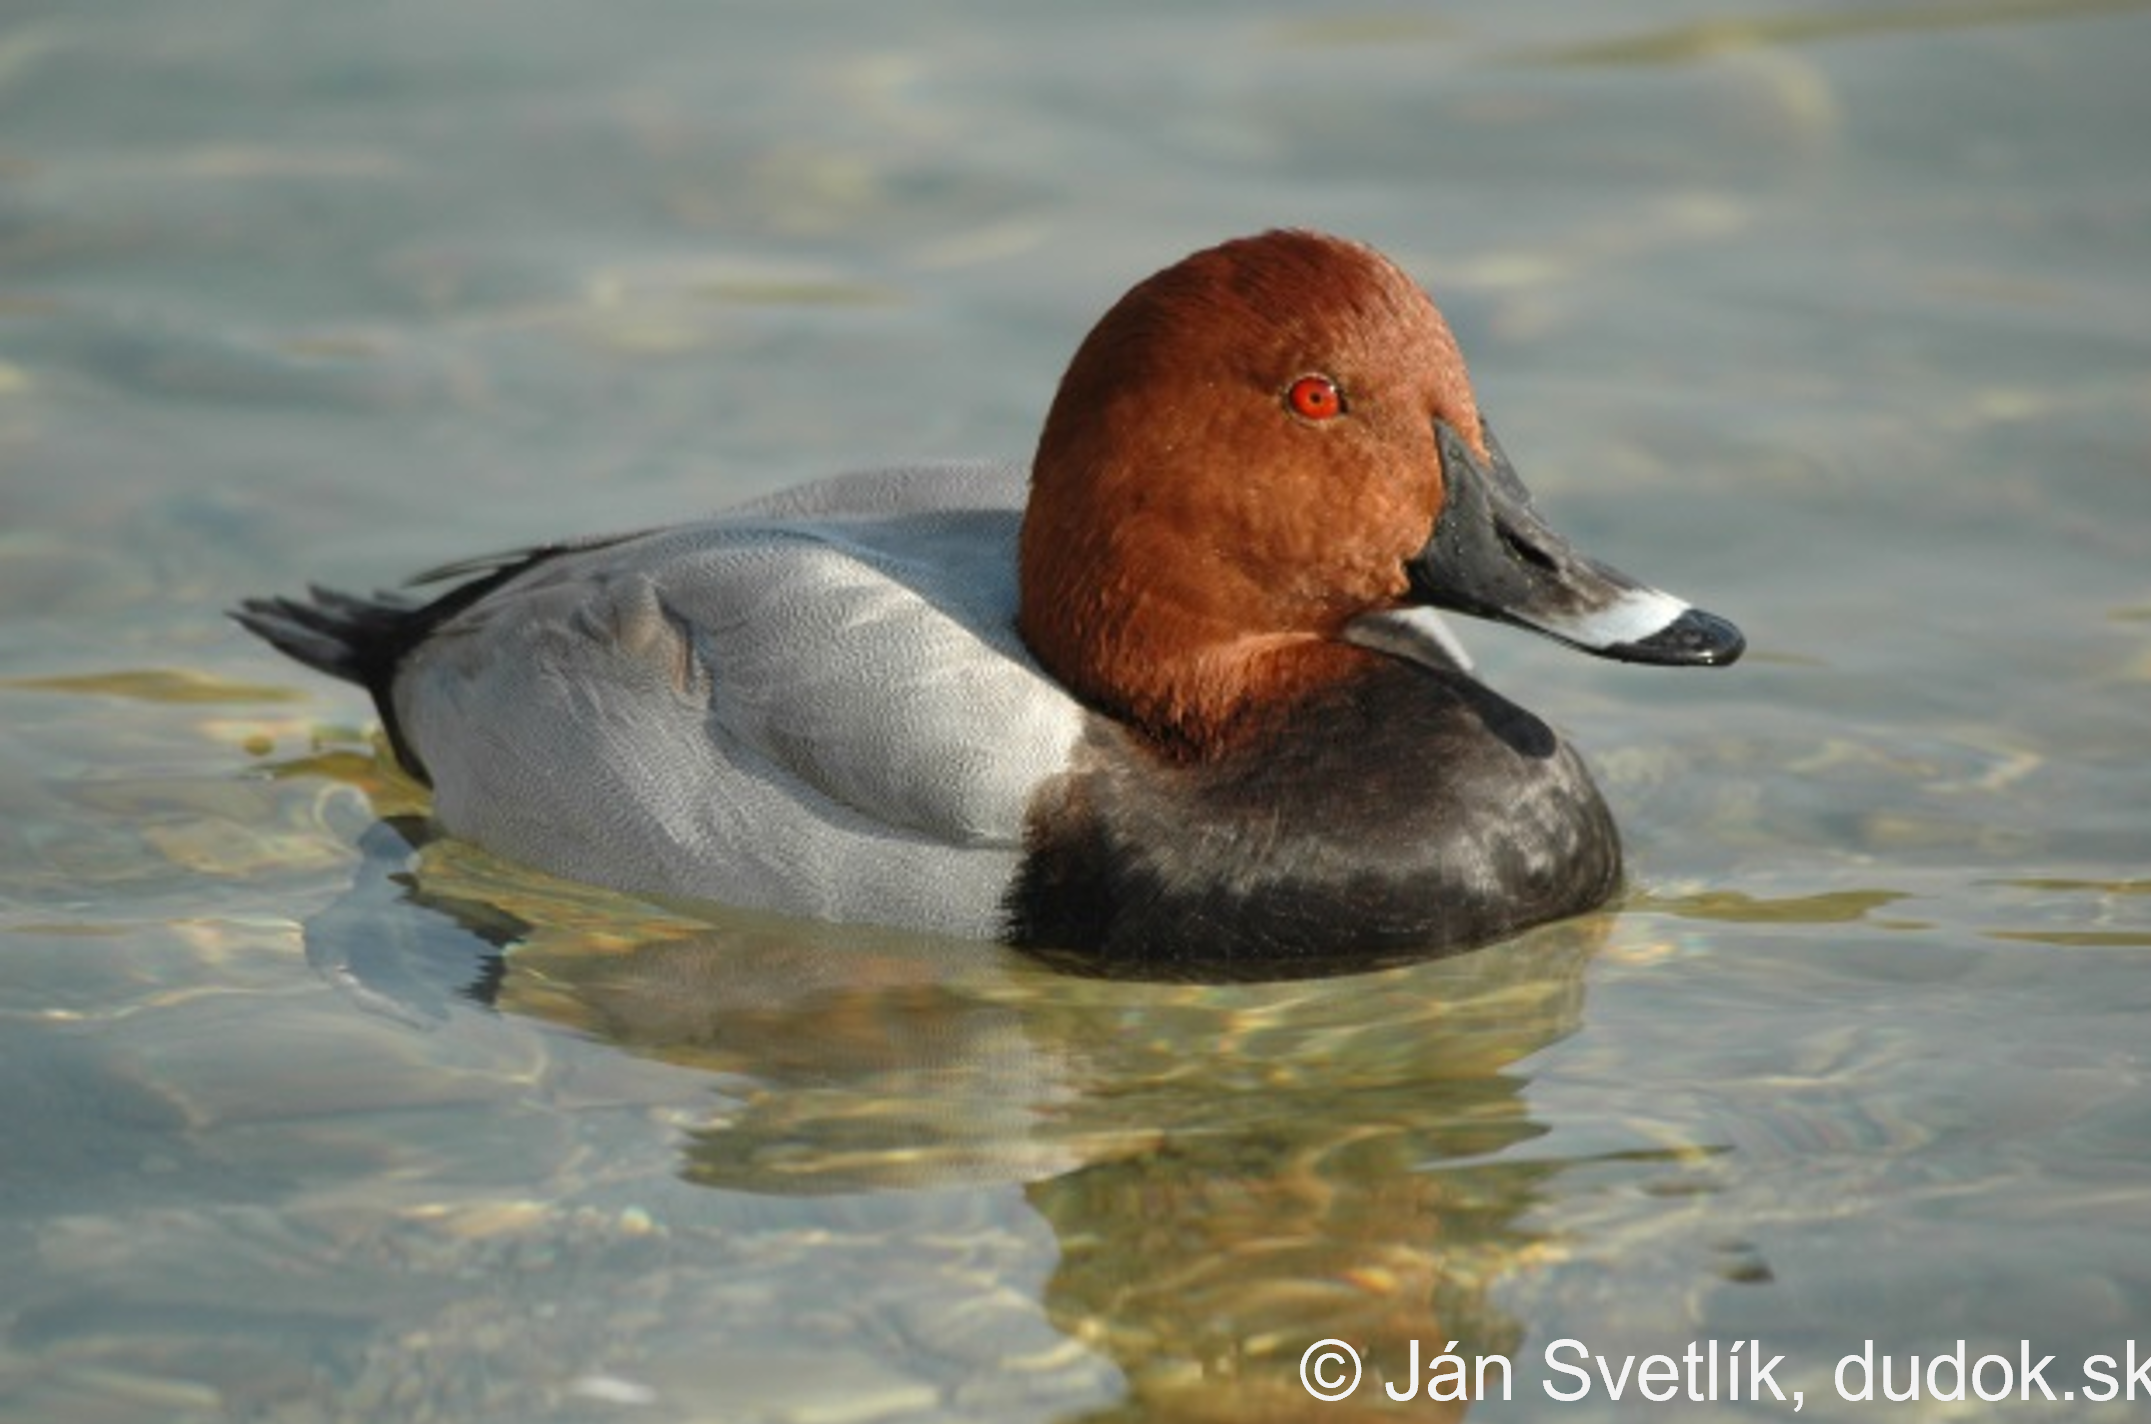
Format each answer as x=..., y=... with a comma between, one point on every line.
x=1406, y=812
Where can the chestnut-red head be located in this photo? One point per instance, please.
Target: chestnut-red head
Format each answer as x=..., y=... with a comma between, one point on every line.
x=1252, y=449
x=1241, y=458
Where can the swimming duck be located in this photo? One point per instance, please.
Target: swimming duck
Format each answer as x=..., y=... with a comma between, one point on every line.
x=1176, y=690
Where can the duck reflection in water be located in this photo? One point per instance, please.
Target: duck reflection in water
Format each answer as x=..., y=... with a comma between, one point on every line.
x=1233, y=1171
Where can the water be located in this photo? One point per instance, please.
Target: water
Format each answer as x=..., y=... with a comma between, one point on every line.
x=1832, y=319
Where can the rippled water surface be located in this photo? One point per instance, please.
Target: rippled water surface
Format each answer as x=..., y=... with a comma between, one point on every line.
x=1835, y=317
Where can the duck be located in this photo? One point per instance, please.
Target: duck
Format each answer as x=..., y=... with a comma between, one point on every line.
x=1177, y=689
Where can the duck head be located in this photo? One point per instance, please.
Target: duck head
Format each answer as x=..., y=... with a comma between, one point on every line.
x=1260, y=445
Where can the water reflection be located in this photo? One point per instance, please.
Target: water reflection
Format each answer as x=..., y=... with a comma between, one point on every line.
x=1232, y=1171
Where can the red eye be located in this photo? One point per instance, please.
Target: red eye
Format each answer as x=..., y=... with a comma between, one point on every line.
x=1315, y=398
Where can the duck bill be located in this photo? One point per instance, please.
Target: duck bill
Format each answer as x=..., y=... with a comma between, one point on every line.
x=1492, y=556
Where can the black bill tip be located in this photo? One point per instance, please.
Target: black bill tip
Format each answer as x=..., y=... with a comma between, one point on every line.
x=1695, y=639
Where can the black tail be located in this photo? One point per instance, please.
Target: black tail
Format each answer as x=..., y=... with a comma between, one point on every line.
x=360, y=640
x=357, y=639
x=365, y=640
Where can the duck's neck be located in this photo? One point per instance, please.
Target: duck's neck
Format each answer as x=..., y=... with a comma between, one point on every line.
x=1195, y=688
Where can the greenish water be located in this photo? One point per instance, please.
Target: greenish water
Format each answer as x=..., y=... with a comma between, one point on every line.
x=1836, y=319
